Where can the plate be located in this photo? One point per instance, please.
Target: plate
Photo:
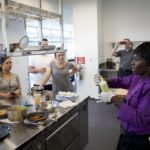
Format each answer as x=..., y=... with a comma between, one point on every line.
x=36, y=117
x=67, y=104
x=62, y=98
x=4, y=131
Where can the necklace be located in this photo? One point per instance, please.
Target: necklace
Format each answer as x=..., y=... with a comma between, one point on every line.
x=61, y=65
x=7, y=78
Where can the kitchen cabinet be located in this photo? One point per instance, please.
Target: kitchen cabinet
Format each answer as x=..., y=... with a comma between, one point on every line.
x=83, y=124
x=64, y=135
x=68, y=132
x=74, y=145
x=37, y=143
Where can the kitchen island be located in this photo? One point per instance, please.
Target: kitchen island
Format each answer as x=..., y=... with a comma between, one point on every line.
x=68, y=131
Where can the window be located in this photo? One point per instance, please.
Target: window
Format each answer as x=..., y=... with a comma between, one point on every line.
x=33, y=31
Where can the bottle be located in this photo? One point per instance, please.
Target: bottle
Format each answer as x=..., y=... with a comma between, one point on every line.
x=103, y=85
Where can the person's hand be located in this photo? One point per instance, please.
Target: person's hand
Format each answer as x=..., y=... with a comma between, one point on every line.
x=97, y=79
x=117, y=102
x=7, y=95
x=16, y=93
x=106, y=96
x=42, y=69
x=118, y=44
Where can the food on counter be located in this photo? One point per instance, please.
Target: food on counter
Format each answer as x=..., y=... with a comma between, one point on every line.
x=121, y=93
x=19, y=108
x=67, y=104
x=68, y=94
x=37, y=118
x=61, y=96
x=3, y=113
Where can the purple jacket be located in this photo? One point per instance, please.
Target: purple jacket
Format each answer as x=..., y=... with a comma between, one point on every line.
x=135, y=113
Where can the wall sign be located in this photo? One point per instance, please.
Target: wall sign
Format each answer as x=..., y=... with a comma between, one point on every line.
x=80, y=60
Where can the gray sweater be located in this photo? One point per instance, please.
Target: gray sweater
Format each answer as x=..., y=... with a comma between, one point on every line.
x=9, y=85
x=60, y=78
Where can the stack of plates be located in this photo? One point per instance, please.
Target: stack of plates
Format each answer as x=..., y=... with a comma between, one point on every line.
x=62, y=96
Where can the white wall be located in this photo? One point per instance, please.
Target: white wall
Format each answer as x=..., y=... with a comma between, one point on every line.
x=86, y=41
x=125, y=19
x=100, y=30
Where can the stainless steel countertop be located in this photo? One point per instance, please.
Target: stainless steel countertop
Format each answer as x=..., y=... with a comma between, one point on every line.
x=21, y=133
x=111, y=70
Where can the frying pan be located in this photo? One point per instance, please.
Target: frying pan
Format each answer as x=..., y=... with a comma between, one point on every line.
x=41, y=116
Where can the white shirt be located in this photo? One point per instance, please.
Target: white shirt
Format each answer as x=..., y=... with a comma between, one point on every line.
x=39, y=61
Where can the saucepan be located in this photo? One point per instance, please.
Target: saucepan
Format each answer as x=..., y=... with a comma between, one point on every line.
x=16, y=113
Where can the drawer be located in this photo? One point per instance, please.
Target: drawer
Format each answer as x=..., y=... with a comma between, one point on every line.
x=64, y=134
x=37, y=143
x=75, y=144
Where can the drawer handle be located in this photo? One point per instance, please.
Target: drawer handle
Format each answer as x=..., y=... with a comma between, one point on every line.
x=63, y=125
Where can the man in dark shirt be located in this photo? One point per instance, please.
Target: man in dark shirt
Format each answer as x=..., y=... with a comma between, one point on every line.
x=126, y=57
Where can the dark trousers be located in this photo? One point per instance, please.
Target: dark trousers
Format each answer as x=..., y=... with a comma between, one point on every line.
x=122, y=72
x=133, y=142
x=46, y=87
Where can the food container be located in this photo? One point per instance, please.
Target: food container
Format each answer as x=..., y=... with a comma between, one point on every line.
x=16, y=113
x=3, y=111
x=45, y=106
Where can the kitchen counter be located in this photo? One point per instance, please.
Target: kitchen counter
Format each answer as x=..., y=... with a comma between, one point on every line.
x=108, y=73
x=27, y=137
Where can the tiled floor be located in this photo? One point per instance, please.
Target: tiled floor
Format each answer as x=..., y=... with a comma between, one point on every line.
x=104, y=128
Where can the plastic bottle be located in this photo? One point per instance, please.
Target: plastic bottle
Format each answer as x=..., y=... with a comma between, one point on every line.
x=103, y=85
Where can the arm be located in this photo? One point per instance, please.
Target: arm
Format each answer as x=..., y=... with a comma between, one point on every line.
x=18, y=90
x=6, y=95
x=124, y=82
x=139, y=116
x=74, y=70
x=32, y=69
x=46, y=77
x=114, y=53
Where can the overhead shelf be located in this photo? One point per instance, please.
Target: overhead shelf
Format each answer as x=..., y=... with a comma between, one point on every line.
x=10, y=8
x=27, y=53
x=21, y=10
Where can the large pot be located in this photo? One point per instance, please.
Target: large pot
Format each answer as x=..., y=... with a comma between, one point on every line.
x=16, y=113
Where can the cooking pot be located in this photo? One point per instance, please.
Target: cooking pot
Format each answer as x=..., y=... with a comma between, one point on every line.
x=37, y=90
x=16, y=113
x=109, y=63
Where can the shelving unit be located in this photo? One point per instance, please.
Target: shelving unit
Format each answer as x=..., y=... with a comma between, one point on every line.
x=10, y=8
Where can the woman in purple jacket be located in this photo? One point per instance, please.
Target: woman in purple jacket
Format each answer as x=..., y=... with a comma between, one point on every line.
x=134, y=114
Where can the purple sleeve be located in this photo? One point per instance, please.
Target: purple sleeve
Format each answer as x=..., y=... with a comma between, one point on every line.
x=139, y=116
x=121, y=82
